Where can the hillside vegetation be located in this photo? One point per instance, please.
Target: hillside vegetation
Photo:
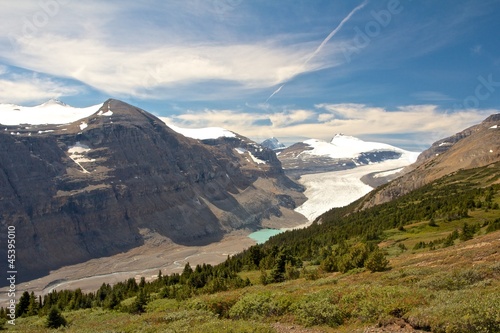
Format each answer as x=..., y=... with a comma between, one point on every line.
x=428, y=261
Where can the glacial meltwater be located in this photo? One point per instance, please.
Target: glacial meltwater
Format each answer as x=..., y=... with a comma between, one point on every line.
x=263, y=235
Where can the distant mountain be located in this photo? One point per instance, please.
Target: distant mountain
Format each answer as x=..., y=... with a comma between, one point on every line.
x=273, y=143
x=84, y=183
x=341, y=153
x=476, y=146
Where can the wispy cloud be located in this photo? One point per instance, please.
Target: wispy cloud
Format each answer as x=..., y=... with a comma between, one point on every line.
x=432, y=96
x=16, y=88
x=322, y=45
x=477, y=49
x=325, y=120
x=3, y=69
x=137, y=71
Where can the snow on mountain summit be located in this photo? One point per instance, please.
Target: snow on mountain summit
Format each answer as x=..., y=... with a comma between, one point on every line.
x=273, y=143
x=345, y=146
x=50, y=112
x=203, y=133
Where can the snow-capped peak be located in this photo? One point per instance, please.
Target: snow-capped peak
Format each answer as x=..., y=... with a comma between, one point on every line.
x=50, y=112
x=52, y=102
x=344, y=146
x=272, y=143
x=203, y=133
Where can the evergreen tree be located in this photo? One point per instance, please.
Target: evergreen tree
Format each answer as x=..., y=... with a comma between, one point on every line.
x=264, y=278
x=33, y=306
x=467, y=232
x=111, y=301
x=376, y=261
x=55, y=319
x=140, y=303
x=23, y=304
x=186, y=273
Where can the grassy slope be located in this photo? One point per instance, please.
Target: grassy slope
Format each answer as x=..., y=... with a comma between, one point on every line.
x=455, y=289
x=452, y=289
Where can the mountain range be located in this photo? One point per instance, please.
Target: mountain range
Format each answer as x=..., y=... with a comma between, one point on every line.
x=341, y=153
x=87, y=183
x=114, y=176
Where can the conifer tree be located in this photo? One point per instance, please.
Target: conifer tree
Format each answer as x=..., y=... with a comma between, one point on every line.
x=33, y=306
x=376, y=261
x=55, y=319
x=23, y=304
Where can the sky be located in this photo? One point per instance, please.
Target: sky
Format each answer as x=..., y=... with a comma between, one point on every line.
x=403, y=72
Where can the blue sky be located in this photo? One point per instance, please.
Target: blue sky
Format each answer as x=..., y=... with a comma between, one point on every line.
x=405, y=72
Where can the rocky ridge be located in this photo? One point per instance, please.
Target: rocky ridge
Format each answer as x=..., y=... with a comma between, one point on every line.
x=476, y=146
x=105, y=183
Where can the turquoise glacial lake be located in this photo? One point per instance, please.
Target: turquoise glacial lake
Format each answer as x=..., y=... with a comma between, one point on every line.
x=263, y=235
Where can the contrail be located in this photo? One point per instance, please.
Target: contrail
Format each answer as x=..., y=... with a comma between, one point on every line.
x=323, y=43
x=275, y=92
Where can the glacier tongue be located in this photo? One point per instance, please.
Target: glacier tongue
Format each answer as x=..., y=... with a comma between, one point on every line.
x=328, y=190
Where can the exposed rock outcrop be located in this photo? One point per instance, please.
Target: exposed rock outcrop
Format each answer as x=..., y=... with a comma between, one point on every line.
x=87, y=189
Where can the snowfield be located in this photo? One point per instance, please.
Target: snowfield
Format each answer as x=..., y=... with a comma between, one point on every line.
x=345, y=146
x=202, y=133
x=51, y=112
x=328, y=190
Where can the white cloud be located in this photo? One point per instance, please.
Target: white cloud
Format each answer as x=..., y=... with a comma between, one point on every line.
x=420, y=125
x=283, y=119
x=362, y=119
x=170, y=46
x=25, y=89
x=136, y=71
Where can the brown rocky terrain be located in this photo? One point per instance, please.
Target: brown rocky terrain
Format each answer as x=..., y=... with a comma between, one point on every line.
x=90, y=189
x=474, y=147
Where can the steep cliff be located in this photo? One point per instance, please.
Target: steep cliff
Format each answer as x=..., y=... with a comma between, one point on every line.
x=94, y=187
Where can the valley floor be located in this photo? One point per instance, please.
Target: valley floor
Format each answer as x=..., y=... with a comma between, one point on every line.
x=147, y=260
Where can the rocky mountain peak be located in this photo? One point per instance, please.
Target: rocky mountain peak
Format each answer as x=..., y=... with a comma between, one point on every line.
x=96, y=184
x=272, y=143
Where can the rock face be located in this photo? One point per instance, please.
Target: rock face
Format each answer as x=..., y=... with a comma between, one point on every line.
x=95, y=187
x=476, y=146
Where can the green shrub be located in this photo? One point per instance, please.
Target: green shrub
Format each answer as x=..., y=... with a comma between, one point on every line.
x=455, y=280
x=319, y=309
x=260, y=305
x=218, y=304
x=459, y=312
x=376, y=261
x=189, y=316
x=311, y=274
